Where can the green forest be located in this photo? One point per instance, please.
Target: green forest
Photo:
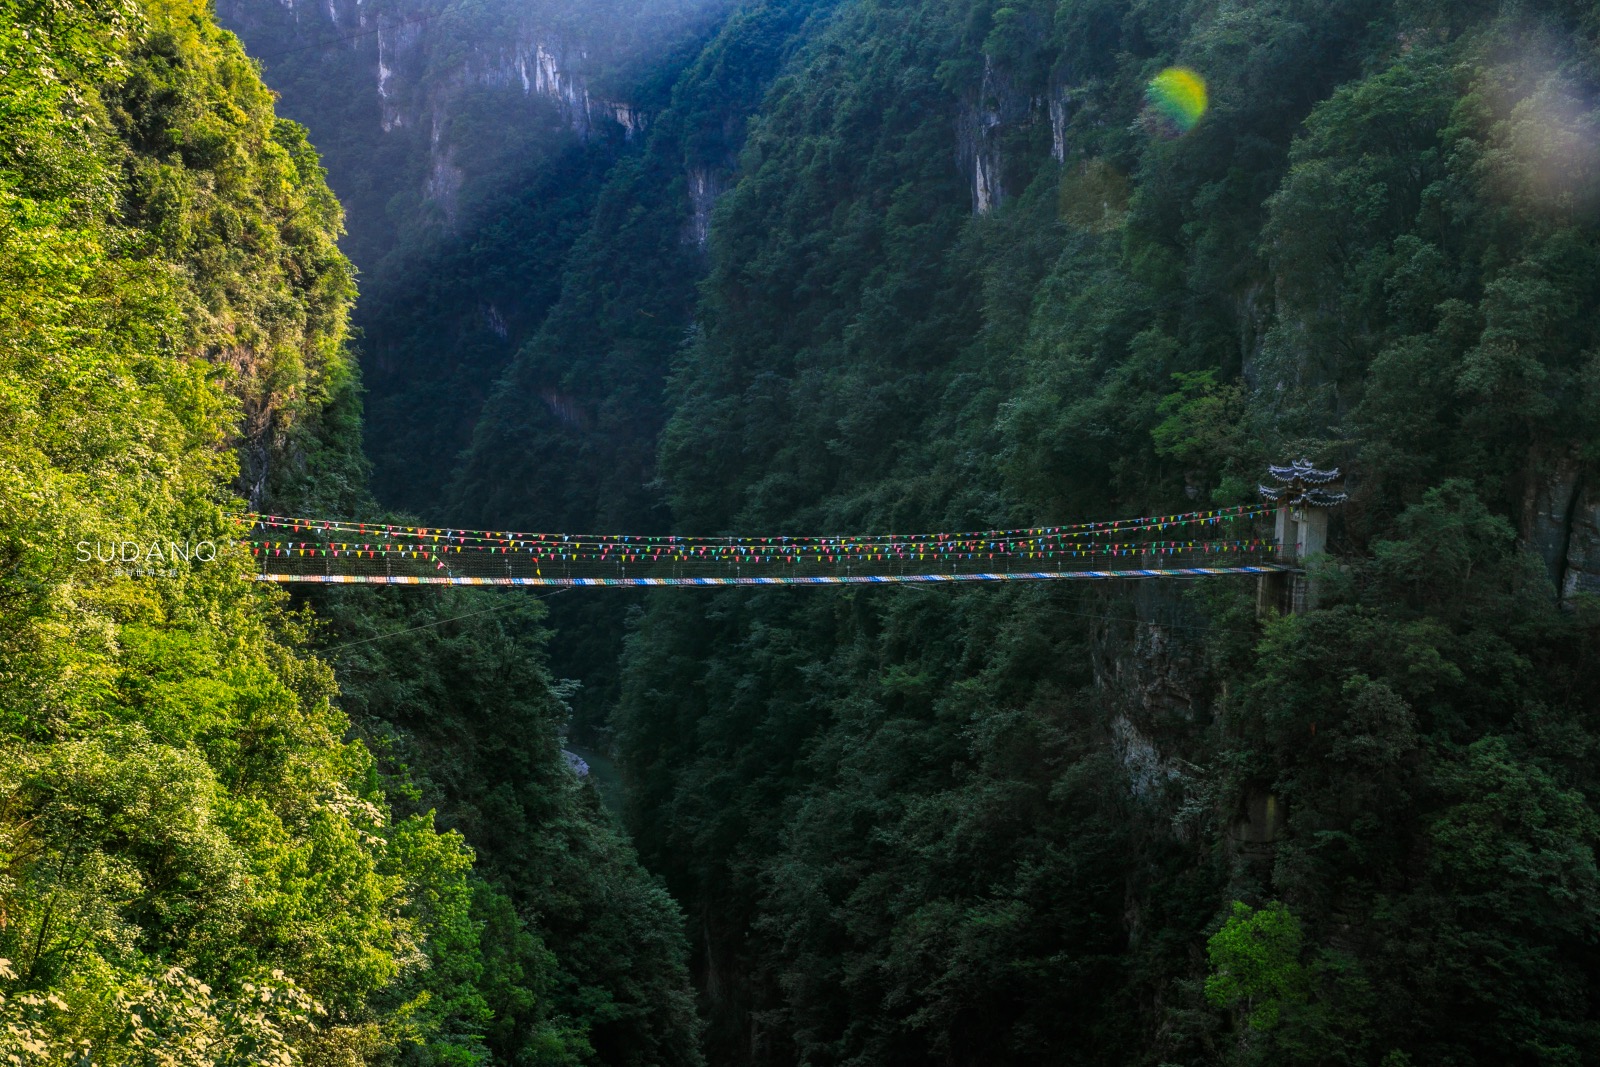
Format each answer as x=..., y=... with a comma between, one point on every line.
x=728, y=267
x=232, y=826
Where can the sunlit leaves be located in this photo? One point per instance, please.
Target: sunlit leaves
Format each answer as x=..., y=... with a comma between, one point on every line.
x=1255, y=960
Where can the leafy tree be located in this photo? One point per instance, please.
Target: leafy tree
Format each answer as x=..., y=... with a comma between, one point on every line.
x=1255, y=961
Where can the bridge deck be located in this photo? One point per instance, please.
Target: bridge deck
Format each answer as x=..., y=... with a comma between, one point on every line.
x=832, y=579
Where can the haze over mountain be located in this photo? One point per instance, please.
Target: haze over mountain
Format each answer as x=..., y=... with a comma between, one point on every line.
x=469, y=144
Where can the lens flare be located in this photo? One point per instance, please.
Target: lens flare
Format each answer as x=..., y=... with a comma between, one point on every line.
x=1179, y=95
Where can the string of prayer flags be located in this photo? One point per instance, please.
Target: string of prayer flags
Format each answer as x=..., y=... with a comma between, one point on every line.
x=954, y=541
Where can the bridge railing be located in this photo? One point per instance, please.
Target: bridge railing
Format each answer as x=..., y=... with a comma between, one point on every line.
x=1231, y=540
x=292, y=549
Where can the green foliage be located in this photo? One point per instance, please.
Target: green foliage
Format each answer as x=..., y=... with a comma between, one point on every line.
x=156, y=862
x=234, y=198
x=1346, y=258
x=565, y=951
x=920, y=826
x=1255, y=962
x=198, y=864
x=1203, y=418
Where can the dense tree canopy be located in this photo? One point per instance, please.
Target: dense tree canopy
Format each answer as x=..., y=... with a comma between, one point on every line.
x=199, y=861
x=1003, y=828
x=961, y=274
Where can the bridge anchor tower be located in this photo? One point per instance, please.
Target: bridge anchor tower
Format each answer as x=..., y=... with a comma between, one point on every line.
x=1304, y=500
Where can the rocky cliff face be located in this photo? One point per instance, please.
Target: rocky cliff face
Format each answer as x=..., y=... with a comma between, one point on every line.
x=534, y=62
x=1561, y=522
x=1162, y=706
x=984, y=118
x=994, y=127
x=444, y=92
x=706, y=184
x=1149, y=671
x=411, y=54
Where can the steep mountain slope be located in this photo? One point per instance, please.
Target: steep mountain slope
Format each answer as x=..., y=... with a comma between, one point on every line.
x=1010, y=826
x=530, y=332
x=568, y=438
x=194, y=862
x=468, y=142
x=200, y=859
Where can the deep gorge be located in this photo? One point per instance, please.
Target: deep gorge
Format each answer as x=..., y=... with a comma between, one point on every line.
x=779, y=266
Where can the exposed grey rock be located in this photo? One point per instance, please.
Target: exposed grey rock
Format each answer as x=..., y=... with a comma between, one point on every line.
x=1561, y=522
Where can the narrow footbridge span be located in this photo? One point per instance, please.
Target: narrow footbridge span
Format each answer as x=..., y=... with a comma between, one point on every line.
x=1195, y=544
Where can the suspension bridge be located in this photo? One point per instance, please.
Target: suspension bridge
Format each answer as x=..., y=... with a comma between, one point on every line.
x=1195, y=544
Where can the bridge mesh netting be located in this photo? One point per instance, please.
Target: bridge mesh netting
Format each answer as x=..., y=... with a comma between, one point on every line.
x=1191, y=544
